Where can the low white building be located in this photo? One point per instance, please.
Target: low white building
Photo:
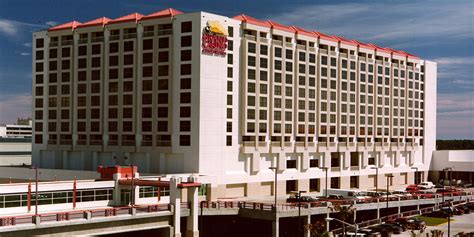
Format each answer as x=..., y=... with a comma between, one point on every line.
x=452, y=164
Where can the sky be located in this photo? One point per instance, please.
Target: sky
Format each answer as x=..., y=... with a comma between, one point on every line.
x=441, y=31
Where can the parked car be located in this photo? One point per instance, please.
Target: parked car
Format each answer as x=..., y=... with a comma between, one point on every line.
x=412, y=188
x=426, y=185
x=390, y=228
x=336, y=197
x=402, y=193
x=437, y=214
x=294, y=199
x=465, y=209
x=416, y=224
x=470, y=205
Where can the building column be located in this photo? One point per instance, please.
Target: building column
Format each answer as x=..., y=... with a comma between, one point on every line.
x=175, y=201
x=305, y=160
x=255, y=162
x=192, y=220
x=276, y=227
x=346, y=158
x=307, y=231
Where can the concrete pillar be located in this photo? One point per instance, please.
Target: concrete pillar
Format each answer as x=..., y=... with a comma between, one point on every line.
x=378, y=208
x=346, y=158
x=303, y=185
x=305, y=160
x=307, y=231
x=399, y=204
x=281, y=160
x=327, y=159
x=276, y=227
x=175, y=201
x=255, y=162
x=365, y=159
x=381, y=156
x=192, y=220
x=397, y=157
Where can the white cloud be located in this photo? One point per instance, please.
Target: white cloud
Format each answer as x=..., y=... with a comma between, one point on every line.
x=8, y=27
x=455, y=61
x=455, y=116
x=13, y=28
x=386, y=20
x=25, y=54
x=28, y=45
x=51, y=23
x=15, y=106
x=455, y=102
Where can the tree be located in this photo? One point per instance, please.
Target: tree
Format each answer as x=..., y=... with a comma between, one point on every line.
x=317, y=229
x=345, y=211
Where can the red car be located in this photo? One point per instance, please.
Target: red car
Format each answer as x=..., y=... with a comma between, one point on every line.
x=412, y=188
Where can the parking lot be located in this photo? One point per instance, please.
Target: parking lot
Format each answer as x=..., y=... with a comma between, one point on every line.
x=464, y=223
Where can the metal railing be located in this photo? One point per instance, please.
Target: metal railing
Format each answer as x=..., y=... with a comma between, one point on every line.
x=82, y=214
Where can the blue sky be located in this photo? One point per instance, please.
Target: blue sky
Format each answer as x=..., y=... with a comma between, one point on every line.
x=442, y=31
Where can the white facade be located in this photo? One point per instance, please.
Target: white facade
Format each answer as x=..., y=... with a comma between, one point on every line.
x=15, y=131
x=280, y=97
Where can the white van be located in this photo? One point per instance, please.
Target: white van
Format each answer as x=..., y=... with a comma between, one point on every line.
x=347, y=193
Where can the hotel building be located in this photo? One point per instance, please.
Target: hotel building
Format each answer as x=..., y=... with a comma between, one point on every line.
x=228, y=98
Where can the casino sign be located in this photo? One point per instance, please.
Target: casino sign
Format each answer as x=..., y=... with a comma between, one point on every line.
x=214, y=39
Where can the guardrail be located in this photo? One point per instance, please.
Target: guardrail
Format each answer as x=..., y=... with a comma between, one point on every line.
x=83, y=214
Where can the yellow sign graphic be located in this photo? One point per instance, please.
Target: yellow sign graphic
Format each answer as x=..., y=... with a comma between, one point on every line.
x=216, y=28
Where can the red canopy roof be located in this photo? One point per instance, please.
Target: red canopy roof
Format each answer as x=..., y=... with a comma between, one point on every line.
x=97, y=22
x=278, y=26
x=251, y=20
x=131, y=17
x=170, y=12
x=70, y=25
x=302, y=31
x=324, y=36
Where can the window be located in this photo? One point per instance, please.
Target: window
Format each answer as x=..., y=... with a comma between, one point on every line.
x=291, y=186
x=371, y=161
x=354, y=159
x=164, y=43
x=147, y=44
x=39, y=43
x=314, y=185
x=228, y=140
x=186, y=41
x=185, y=55
x=314, y=163
x=186, y=27
x=185, y=126
x=185, y=140
x=291, y=164
x=335, y=182
x=186, y=69
x=335, y=160
x=354, y=181
x=128, y=46
x=113, y=47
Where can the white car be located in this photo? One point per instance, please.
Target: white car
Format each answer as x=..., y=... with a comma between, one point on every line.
x=426, y=185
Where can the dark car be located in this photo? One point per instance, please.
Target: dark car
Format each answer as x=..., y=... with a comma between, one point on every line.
x=465, y=209
x=294, y=199
x=400, y=222
x=387, y=228
x=416, y=224
x=470, y=205
x=336, y=197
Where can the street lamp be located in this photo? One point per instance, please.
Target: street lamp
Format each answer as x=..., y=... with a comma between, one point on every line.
x=275, y=168
x=326, y=190
x=376, y=178
x=328, y=219
x=416, y=174
x=36, y=189
x=389, y=176
x=298, y=196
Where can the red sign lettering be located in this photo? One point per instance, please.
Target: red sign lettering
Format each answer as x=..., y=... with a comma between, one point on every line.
x=214, y=44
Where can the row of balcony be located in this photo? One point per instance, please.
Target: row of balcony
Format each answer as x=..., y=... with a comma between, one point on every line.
x=322, y=144
x=109, y=143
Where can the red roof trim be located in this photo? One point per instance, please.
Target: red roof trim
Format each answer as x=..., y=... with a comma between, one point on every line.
x=128, y=18
x=70, y=25
x=170, y=12
x=378, y=48
x=97, y=22
x=324, y=36
x=251, y=20
x=301, y=31
x=363, y=45
x=278, y=26
x=344, y=41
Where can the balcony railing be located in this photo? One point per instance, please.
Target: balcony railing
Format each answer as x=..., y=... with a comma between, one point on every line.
x=52, y=142
x=165, y=32
x=128, y=143
x=83, y=41
x=97, y=39
x=148, y=34
x=250, y=37
x=163, y=143
x=66, y=42
x=81, y=142
x=65, y=142
x=53, y=44
x=112, y=142
x=263, y=40
x=130, y=36
x=147, y=143
x=96, y=142
x=114, y=37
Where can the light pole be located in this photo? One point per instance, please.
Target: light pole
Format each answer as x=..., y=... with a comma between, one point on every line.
x=328, y=219
x=450, y=179
x=326, y=190
x=298, y=195
x=389, y=176
x=275, y=168
x=376, y=178
x=416, y=174
x=36, y=191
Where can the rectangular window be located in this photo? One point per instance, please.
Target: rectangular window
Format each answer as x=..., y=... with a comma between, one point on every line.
x=314, y=185
x=185, y=140
x=336, y=182
x=354, y=181
x=291, y=164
